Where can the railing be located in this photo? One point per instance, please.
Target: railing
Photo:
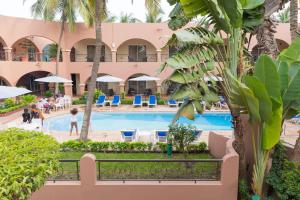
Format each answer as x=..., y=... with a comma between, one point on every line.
x=33, y=57
x=87, y=58
x=146, y=170
x=128, y=58
x=68, y=171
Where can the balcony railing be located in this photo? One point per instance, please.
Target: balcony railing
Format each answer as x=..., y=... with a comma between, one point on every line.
x=145, y=170
x=128, y=58
x=32, y=57
x=87, y=58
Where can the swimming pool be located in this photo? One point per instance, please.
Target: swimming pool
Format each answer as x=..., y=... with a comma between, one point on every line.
x=115, y=121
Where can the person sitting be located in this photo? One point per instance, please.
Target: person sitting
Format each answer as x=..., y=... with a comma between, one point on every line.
x=36, y=113
x=26, y=116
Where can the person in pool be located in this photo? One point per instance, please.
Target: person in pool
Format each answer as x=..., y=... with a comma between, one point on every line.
x=74, y=121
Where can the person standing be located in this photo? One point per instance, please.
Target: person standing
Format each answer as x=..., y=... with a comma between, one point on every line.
x=74, y=120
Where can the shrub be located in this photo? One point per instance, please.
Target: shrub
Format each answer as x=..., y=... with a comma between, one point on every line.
x=160, y=102
x=78, y=102
x=61, y=88
x=121, y=146
x=139, y=146
x=284, y=176
x=202, y=146
x=158, y=95
x=123, y=95
x=99, y=146
x=93, y=146
x=126, y=101
x=48, y=94
x=27, y=159
x=9, y=102
x=182, y=136
x=29, y=98
x=10, y=109
x=163, y=147
x=97, y=94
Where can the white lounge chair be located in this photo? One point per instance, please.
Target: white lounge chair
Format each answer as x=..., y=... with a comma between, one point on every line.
x=161, y=136
x=60, y=104
x=128, y=135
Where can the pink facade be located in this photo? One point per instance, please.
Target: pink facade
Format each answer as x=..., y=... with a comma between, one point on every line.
x=16, y=32
x=91, y=189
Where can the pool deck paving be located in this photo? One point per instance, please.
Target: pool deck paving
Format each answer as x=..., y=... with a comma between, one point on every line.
x=289, y=134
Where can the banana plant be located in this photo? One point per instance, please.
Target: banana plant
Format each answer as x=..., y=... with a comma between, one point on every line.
x=231, y=19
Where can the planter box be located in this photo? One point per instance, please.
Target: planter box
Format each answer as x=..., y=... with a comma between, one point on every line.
x=11, y=112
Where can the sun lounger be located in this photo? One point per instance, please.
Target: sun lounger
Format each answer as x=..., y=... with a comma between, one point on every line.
x=152, y=101
x=137, y=101
x=198, y=133
x=161, y=136
x=172, y=103
x=116, y=101
x=101, y=100
x=128, y=135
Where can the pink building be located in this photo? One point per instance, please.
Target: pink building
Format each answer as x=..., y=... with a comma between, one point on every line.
x=128, y=50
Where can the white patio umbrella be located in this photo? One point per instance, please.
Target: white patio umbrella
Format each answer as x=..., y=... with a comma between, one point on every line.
x=8, y=91
x=109, y=79
x=144, y=78
x=53, y=79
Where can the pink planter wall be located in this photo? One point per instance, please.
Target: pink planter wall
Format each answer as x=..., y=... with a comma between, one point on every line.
x=90, y=189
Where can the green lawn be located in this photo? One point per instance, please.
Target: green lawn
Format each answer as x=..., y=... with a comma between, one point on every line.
x=144, y=170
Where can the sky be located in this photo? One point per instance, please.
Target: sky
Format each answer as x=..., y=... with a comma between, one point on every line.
x=18, y=9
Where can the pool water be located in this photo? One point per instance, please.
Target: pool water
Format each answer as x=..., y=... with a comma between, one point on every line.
x=116, y=121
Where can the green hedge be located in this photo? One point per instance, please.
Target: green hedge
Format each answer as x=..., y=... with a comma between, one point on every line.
x=27, y=159
x=11, y=105
x=284, y=176
x=12, y=108
x=91, y=146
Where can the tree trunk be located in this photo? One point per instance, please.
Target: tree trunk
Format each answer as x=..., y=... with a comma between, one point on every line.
x=238, y=144
x=95, y=68
x=62, y=29
x=265, y=38
x=294, y=19
x=296, y=153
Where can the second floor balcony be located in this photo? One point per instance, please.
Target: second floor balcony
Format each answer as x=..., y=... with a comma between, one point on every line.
x=136, y=58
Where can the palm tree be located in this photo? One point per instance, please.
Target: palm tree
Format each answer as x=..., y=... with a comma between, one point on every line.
x=128, y=18
x=154, y=17
x=294, y=19
x=99, y=9
x=65, y=11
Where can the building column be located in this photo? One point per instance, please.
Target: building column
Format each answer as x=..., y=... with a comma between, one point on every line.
x=42, y=88
x=114, y=55
x=66, y=55
x=158, y=54
x=8, y=53
x=81, y=88
x=158, y=88
x=122, y=88
x=68, y=89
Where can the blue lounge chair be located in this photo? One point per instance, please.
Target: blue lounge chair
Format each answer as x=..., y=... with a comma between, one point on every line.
x=152, y=101
x=137, y=101
x=116, y=101
x=101, y=100
x=128, y=135
x=161, y=136
x=198, y=133
x=172, y=103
